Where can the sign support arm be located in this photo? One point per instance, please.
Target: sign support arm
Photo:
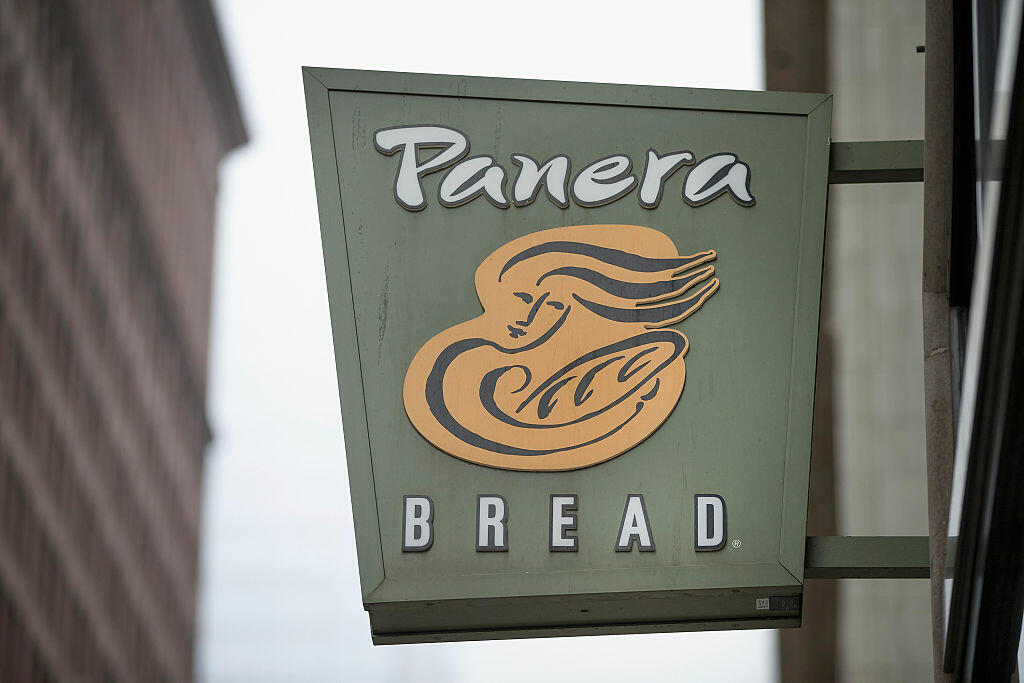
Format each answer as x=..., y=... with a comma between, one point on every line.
x=866, y=557
x=882, y=161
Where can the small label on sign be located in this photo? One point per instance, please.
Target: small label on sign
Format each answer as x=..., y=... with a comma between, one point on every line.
x=761, y=603
x=784, y=603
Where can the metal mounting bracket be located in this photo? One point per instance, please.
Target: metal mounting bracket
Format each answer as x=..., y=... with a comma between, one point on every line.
x=866, y=557
x=883, y=161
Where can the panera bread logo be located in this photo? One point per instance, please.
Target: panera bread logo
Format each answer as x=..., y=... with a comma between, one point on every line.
x=570, y=363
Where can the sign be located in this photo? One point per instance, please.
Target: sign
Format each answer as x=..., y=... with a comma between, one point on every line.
x=575, y=328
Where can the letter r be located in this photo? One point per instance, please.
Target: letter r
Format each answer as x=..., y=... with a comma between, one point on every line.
x=491, y=519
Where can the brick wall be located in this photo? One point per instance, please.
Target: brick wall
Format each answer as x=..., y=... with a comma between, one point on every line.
x=109, y=145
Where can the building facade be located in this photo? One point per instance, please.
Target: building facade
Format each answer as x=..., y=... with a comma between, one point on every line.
x=925, y=313
x=113, y=119
x=868, y=465
x=877, y=77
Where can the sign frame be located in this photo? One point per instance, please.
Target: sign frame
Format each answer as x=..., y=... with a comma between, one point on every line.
x=460, y=608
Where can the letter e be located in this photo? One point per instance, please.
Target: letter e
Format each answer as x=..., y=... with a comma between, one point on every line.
x=563, y=519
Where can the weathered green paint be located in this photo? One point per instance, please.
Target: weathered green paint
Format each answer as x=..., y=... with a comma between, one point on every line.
x=577, y=614
x=741, y=428
x=882, y=161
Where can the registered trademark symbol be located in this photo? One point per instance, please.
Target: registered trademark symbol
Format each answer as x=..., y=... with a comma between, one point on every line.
x=736, y=543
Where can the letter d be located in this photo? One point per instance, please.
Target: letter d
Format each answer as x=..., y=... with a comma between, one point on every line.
x=708, y=522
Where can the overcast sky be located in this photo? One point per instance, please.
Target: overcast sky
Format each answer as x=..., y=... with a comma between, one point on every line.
x=279, y=587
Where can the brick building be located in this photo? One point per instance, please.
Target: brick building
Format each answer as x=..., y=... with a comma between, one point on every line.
x=114, y=116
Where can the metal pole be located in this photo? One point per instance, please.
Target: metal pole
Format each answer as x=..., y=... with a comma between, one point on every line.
x=938, y=192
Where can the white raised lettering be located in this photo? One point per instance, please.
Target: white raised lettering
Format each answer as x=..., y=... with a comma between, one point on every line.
x=553, y=175
x=409, y=140
x=491, y=516
x=603, y=181
x=418, y=529
x=709, y=522
x=471, y=178
x=563, y=519
x=656, y=172
x=716, y=174
x=634, y=527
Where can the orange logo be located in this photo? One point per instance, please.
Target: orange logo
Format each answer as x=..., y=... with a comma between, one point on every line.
x=570, y=364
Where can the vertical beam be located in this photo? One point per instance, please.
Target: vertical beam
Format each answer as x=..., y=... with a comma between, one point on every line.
x=796, y=45
x=938, y=192
x=796, y=59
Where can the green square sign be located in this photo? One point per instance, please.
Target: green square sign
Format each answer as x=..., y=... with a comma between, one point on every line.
x=575, y=328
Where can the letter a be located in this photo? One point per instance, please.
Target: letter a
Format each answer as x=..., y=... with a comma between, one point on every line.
x=634, y=526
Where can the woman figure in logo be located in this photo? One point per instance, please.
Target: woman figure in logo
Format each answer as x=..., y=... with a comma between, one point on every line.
x=571, y=362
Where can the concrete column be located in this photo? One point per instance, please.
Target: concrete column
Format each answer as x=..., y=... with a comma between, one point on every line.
x=796, y=59
x=877, y=77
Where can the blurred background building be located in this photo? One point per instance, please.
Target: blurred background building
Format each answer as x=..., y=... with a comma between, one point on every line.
x=868, y=463
x=878, y=79
x=113, y=119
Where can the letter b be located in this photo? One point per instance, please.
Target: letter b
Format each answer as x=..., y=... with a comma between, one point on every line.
x=418, y=526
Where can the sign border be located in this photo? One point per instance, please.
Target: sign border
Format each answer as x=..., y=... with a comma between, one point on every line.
x=318, y=84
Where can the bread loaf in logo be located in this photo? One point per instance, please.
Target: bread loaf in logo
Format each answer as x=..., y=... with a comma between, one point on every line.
x=572, y=361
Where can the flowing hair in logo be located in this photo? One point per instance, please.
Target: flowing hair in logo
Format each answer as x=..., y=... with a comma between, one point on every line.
x=568, y=365
x=674, y=276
